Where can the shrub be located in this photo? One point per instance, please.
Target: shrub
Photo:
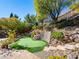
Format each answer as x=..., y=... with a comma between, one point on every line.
x=57, y=35
x=11, y=35
x=9, y=23
x=36, y=32
x=34, y=27
x=21, y=26
x=9, y=40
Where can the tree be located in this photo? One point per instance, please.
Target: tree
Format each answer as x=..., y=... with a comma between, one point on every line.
x=75, y=7
x=16, y=16
x=51, y=8
x=31, y=19
x=11, y=15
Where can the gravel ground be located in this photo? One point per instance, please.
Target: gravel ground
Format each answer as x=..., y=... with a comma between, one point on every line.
x=14, y=54
x=70, y=54
x=71, y=51
x=21, y=54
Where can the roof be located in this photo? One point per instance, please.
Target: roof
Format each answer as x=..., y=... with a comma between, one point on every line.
x=69, y=14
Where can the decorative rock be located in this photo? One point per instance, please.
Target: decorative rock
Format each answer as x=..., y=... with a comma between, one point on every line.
x=77, y=45
x=52, y=48
x=75, y=37
x=53, y=42
x=59, y=47
x=36, y=34
x=70, y=56
x=46, y=36
x=21, y=54
x=1, y=39
x=77, y=40
x=46, y=49
x=68, y=46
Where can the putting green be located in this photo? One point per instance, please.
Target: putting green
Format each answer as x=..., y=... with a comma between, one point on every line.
x=29, y=44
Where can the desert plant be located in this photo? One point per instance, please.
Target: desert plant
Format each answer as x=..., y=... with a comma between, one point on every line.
x=31, y=21
x=36, y=34
x=21, y=26
x=34, y=27
x=9, y=40
x=57, y=35
x=11, y=35
x=14, y=24
x=9, y=23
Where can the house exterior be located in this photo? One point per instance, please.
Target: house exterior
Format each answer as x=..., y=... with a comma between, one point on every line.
x=72, y=14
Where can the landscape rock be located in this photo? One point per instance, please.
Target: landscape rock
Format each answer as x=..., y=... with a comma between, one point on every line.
x=59, y=47
x=46, y=49
x=68, y=46
x=77, y=45
x=21, y=54
x=52, y=48
x=53, y=42
x=46, y=36
x=77, y=40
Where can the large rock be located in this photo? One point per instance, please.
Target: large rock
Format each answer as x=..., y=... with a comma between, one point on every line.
x=46, y=49
x=47, y=36
x=72, y=38
x=53, y=42
x=52, y=48
x=19, y=55
x=70, y=47
x=59, y=47
x=75, y=37
x=77, y=45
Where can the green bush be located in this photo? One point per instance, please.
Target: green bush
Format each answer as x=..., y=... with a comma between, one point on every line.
x=57, y=35
x=29, y=44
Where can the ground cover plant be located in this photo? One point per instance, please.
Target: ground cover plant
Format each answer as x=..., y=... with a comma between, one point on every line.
x=57, y=35
x=29, y=44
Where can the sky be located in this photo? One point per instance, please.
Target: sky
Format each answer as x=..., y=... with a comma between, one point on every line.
x=19, y=7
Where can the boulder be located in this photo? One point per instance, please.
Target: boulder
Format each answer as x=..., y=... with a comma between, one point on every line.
x=59, y=47
x=70, y=47
x=46, y=49
x=52, y=48
x=21, y=54
x=53, y=42
x=46, y=36
x=77, y=45
x=75, y=37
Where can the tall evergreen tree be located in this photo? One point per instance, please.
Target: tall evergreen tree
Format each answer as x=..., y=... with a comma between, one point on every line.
x=11, y=15
x=16, y=16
